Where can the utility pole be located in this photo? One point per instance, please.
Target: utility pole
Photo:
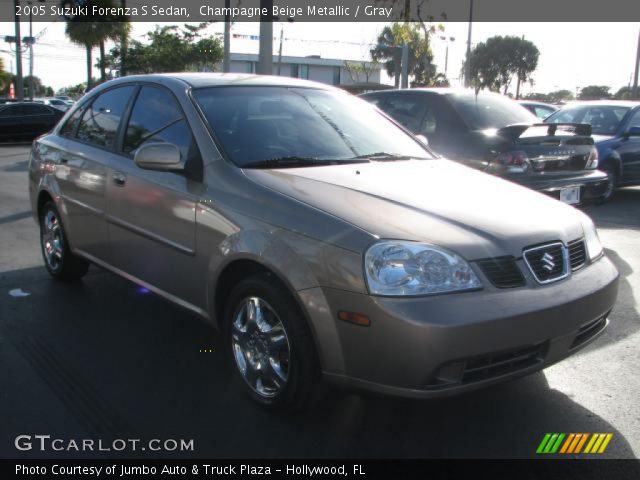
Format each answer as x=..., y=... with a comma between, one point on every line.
x=280, y=49
x=635, y=78
x=31, y=39
x=226, y=59
x=467, y=67
x=124, y=46
x=265, y=54
x=405, y=65
x=19, y=79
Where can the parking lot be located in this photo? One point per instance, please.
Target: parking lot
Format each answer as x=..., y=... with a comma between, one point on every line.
x=105, y=359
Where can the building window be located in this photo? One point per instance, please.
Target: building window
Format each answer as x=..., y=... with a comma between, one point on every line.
x=336, y=75
x=294, y=70
x=303, y=71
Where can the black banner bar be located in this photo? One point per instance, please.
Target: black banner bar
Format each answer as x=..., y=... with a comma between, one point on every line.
x=327, y=10
x=309, y=468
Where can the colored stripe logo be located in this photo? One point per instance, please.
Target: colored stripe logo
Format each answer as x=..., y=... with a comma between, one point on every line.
x=574, y=443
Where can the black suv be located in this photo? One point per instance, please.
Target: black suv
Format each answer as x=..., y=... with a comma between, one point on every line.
x=497, y=135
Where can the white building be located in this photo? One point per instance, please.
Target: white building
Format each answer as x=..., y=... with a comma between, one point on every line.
x=325, y=70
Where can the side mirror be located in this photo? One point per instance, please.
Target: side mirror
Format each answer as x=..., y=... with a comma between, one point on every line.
x=633, y=132
x=159, y=156
x=423, y=139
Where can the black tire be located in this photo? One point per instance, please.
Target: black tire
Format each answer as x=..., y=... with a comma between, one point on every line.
x=612, y=181
x=60, y=262
x=303, y=382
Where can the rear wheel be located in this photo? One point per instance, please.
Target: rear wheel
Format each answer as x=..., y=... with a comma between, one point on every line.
x=271, y=346
x=60, y=262
x=612, y=181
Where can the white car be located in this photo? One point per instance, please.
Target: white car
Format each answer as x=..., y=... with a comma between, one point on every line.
x=54, y=102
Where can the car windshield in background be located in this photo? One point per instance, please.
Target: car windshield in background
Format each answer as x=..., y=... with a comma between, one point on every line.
x=604, y=119
x=490, y=111
x=279, y=126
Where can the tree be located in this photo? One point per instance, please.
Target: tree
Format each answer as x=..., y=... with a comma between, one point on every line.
x=358, y=70
x=389, y=50
x=496, y=62
x=171, y=49
x=624, y=93
x=594, y=92
x=560, y=96
x=5, y=78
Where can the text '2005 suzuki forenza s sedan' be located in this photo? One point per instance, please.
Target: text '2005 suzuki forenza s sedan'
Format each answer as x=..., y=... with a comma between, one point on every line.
x=320, y=237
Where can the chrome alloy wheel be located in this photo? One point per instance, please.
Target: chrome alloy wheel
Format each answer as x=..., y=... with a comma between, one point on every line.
x=260, y=347
x=52, y=243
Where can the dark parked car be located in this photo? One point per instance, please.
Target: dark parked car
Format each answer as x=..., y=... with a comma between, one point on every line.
x=616, y=131
x=322, y=239
x=539, y=109
x=494, y=134
x=19, y=121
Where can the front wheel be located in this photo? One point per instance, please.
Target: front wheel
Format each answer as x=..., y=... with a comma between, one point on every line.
x=60, y=262
x=612, y=181
x=270, y=343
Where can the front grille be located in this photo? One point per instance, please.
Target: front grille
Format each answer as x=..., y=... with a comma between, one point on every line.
x=577, y=254
x=486, y=367
x=548, y=263
x=590, y=330
x=502, y=272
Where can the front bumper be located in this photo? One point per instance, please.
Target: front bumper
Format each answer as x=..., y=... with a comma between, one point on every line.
x=441, y=345
x=592, y=183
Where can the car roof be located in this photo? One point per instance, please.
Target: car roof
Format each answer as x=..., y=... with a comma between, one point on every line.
x=536, y=103
x=603, y=103
x=198, y=80
x=435, y=90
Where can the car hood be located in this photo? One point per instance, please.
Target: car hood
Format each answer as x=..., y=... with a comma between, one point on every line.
x=435, y=201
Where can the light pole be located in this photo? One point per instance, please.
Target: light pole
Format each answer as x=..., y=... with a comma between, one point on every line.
x=446, y=53
x=635, y=77
x=19, y=81
x=467, y=70
x=226, y=60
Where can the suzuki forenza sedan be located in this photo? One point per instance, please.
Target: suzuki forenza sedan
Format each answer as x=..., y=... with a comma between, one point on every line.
x=321, y=238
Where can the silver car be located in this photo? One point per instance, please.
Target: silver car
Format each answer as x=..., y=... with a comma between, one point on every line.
x=320, y=237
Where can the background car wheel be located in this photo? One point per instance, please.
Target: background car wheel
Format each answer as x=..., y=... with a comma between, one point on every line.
x=612, y=181
x=270, y=343
x=60, y=262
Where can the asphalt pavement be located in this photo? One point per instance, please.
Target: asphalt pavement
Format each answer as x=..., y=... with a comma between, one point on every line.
x=102, y=358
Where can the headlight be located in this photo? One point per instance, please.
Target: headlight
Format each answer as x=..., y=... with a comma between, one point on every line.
x=591, y=239
x=395, y=268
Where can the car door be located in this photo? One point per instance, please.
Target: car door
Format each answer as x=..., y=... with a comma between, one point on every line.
x=151, y=218
x=10, y=118
x=37, y=119
x=629, y=151
x=86, y=147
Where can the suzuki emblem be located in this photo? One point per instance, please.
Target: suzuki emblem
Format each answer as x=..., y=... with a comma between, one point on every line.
x=547, y=262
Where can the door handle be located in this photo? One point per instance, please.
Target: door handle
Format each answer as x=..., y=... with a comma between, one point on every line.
x=119, y=179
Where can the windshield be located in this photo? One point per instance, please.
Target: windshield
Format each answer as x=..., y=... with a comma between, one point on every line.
x=487, y=110
x=604, y=119
x=258, y=124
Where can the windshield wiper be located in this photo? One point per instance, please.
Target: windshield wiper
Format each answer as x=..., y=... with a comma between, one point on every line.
x=387, y=157
x=297, y=161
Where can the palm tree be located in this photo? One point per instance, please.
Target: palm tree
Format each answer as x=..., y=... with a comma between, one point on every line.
x=92, y=32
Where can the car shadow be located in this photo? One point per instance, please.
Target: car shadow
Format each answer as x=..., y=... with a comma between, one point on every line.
x=621, y=212
x=102, y=358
